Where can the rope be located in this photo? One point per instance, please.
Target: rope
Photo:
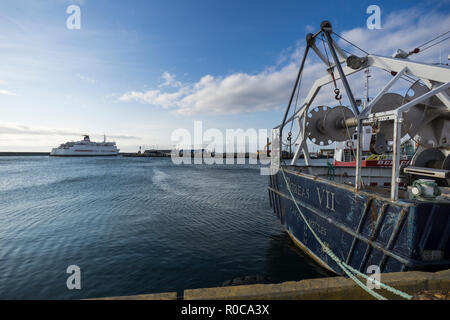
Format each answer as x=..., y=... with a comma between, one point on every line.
x=350, y=271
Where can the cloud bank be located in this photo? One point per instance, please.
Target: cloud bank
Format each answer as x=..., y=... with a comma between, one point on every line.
x=7, y=92
x=16, y=128
x=270, y=89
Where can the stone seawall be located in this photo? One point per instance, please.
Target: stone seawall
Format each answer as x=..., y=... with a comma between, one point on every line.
x=333, y=288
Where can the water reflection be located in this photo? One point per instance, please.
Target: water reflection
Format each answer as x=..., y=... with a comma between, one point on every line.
x=286, y=262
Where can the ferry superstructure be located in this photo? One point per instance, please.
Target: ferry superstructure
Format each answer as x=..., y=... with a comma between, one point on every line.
x=86, y=148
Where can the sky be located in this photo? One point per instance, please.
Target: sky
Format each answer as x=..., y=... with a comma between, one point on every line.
x=138, y=70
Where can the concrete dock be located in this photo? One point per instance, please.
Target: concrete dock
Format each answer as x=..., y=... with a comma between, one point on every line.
x=421, y=285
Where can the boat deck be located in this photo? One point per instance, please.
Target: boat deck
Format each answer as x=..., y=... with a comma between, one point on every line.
x=375, y=180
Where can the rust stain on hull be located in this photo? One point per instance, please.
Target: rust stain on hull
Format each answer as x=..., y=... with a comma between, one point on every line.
x=302, y=247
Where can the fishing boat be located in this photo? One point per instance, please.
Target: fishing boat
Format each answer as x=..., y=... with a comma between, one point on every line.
x=394, y=216
x=344, y=152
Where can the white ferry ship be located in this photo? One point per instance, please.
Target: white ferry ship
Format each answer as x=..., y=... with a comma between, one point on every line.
x=86, y=147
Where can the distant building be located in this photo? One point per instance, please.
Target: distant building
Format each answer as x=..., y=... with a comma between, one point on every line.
x=157, y=153
x=326, y=152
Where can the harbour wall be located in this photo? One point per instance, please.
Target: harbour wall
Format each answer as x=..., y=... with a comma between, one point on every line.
x=332, y=288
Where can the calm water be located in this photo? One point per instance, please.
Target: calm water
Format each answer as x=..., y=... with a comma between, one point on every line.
x=136, y=225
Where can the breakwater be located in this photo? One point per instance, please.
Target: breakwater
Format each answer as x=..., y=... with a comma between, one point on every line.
x=19, y=154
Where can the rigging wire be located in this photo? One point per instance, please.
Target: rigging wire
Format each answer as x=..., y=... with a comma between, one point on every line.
x=410, y=80
x=416, y=50
x=339, y=97
x=292, y=123
x=350, y=43
x=326, y=51
x=295, y=110
x=404, y=77
x=434, y=39
x=422, y=50
x=296, y=100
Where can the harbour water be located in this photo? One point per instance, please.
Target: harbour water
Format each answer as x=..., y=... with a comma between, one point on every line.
x=136, y=225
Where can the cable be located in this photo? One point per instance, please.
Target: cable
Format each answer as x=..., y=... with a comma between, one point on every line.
x=326, y=51
x=434, y=44
x=295, y=110
x=403, y=77
x=351, y=43
x=296, y=100
x=433, y=39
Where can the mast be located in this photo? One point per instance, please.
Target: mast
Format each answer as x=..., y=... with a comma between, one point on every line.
x=366, y=101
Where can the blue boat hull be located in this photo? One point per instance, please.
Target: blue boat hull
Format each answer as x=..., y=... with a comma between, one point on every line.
x=363, y=229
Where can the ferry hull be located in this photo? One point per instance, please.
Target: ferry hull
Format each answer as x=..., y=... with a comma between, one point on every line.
x=69, y=153
x=83, y=155
x=362, y=229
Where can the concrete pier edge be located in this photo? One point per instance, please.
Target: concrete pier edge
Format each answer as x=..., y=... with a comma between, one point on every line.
x=332, y=288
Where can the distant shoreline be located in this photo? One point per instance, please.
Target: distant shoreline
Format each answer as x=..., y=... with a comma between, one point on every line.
x=14, y=154
x=17, y=154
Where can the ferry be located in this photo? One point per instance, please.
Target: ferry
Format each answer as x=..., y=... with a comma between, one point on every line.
x=85, y=148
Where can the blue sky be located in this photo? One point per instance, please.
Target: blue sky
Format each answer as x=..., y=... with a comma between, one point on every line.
x=138, y=70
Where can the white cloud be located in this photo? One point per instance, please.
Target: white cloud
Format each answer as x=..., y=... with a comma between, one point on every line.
x=311, y=28
x=404, y=29
x=169, y=80
x=22, y=137
x=154, y=97
x=21, y=129
x=85, y=78
x=270, y=89
x=239, y=92
x=7, y=92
